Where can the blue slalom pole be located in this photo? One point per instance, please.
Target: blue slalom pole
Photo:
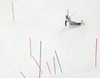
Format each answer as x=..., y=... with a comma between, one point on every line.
x=58, y=61
x=22, y=74
x=54, y=65
x=40, y=60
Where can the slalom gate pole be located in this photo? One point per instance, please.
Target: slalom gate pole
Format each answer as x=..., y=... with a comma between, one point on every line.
x=37, y=64
x=54, y=65
x=30, y=48
x=96, y=53
x=13, y=11
x=22, y=74
x=48, y=68
x=58, y=61
x=40, y=60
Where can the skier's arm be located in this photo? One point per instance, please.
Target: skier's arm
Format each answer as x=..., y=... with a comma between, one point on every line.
x=65, y=22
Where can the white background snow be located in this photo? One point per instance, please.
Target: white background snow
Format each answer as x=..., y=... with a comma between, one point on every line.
x=43, y=20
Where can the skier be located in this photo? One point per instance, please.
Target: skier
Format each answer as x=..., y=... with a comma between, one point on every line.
x=71, y=23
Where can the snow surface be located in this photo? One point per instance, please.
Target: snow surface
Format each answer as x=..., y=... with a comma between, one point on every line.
x=43, y=20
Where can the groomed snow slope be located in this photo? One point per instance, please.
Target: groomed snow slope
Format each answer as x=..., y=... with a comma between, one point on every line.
x=43, y=20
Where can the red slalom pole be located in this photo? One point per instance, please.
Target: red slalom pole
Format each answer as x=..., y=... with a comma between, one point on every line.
x=37, y=64
x=96, y=53
x=49, y=68
x=13, y=10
